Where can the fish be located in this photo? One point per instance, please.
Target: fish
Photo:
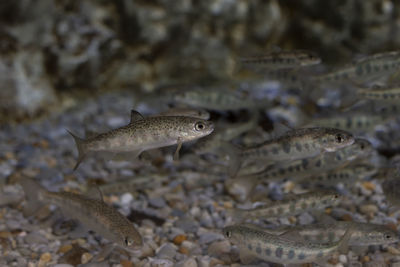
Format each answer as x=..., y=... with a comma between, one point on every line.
x=364, y=234
x=365, y=69
x=254, y=242
x=143, y=134
x=186, y=112
x=385, y=94
x=92, y=213
x=390, y=189
x=353, y=122
x=296, y=144
x=347, y=176
x=218, y=99
x=242, y=185
x=293, y=205
x=284, y=59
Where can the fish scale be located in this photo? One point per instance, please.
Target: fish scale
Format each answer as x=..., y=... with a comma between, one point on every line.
x=292, y=206
x=94, y=214
x=254, y=242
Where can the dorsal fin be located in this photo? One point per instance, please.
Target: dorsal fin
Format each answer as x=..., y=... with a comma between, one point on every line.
x=135, y=116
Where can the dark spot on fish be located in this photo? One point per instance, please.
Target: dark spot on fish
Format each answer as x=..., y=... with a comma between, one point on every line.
x=279, y=252
x=348, y=123
x=368, y=68
x=258, y=250
x=338, y=157
x=385, y=67
x=250, y=247
x=304, y=205
x=304, y=162
x=275, y=150
x=268, y=251
x=286, y=147
x=359, y=123
x=292, y=207
x=280, y=210
x=298, y=147
x=377, y=68
x=359, y=71
x=290, y=168
x=298, y=168
x=318, y=163
x=385, y=96
x=282, y=171
x=320, y=255
x=291, y=254
x=301, y=256
x=307, y=146
x=337, y=124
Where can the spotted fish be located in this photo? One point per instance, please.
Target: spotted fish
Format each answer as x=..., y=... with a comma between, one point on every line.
x=287, y=207
x=254, y=242
x=143, y=134
x=94, y=214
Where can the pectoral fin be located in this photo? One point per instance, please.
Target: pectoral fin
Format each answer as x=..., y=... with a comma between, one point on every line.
x=178, y=148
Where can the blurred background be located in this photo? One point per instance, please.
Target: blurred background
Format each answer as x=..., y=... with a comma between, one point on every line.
x=55, y=52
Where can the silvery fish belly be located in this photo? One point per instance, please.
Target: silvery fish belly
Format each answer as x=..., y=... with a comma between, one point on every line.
x=143, y=134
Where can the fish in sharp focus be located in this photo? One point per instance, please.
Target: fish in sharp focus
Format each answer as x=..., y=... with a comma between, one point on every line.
x=143, y=134
x=364, y=234
x=283, y=59
x=94, y=214
x=293, y=205
x=254, y=242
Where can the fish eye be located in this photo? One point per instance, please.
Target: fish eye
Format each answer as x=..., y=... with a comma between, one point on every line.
x=339, y=138
x=128, y=241
x=335, y=196
x=199, y=126
x=362, y=146
x=228, y=234
x=387, y=236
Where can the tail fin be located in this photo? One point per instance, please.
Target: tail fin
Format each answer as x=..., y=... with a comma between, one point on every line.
x=33, y=195
x=81, y=150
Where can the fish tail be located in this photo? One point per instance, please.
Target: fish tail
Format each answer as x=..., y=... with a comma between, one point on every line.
x=33, y=194
x=81, y=149
x=343, y=243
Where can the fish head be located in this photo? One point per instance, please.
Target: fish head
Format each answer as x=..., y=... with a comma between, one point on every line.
x=365, y=170
x=335, y=139
x=130, y=238
x=194, y=128
x=329, y=197
x=360, y=147
x=380, y=235
x=233, y=233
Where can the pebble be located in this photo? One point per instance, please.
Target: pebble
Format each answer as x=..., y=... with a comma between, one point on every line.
x=44, y=259
x=190, y=262
x=35, y=238
x=157, y=202
x=86, y=257
x=63, y=265
x=208, y=237
x=166, y=251
x=187, y=224
x=305, y=218
x=126, y=199
x=219, y=247
x=179, y=239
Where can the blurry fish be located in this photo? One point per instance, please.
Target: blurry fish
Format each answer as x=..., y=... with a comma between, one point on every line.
x=143, y=134
x=391, y=187
x=283, y=59
x=347, y=176
x=242, y=186
x=364, y=234
x=385, y=94
x=218, y=99
x=254, y=242
x=287, y=207
x=296, y=144
x=366, y=69
x=186, y=112
x=92, y=213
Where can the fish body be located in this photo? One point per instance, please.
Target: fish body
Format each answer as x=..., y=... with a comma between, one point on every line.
x=390, y=188
x=298, y=144
x=186, y=112
x=347, y=175
x=354, y=123
x=364, y=234
x=143, y=134
x=390, y=94
x=368, y=68
x=217, y=99
x=92, y=213
x=291, y=206
x=283, y=59
x=255, y=242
